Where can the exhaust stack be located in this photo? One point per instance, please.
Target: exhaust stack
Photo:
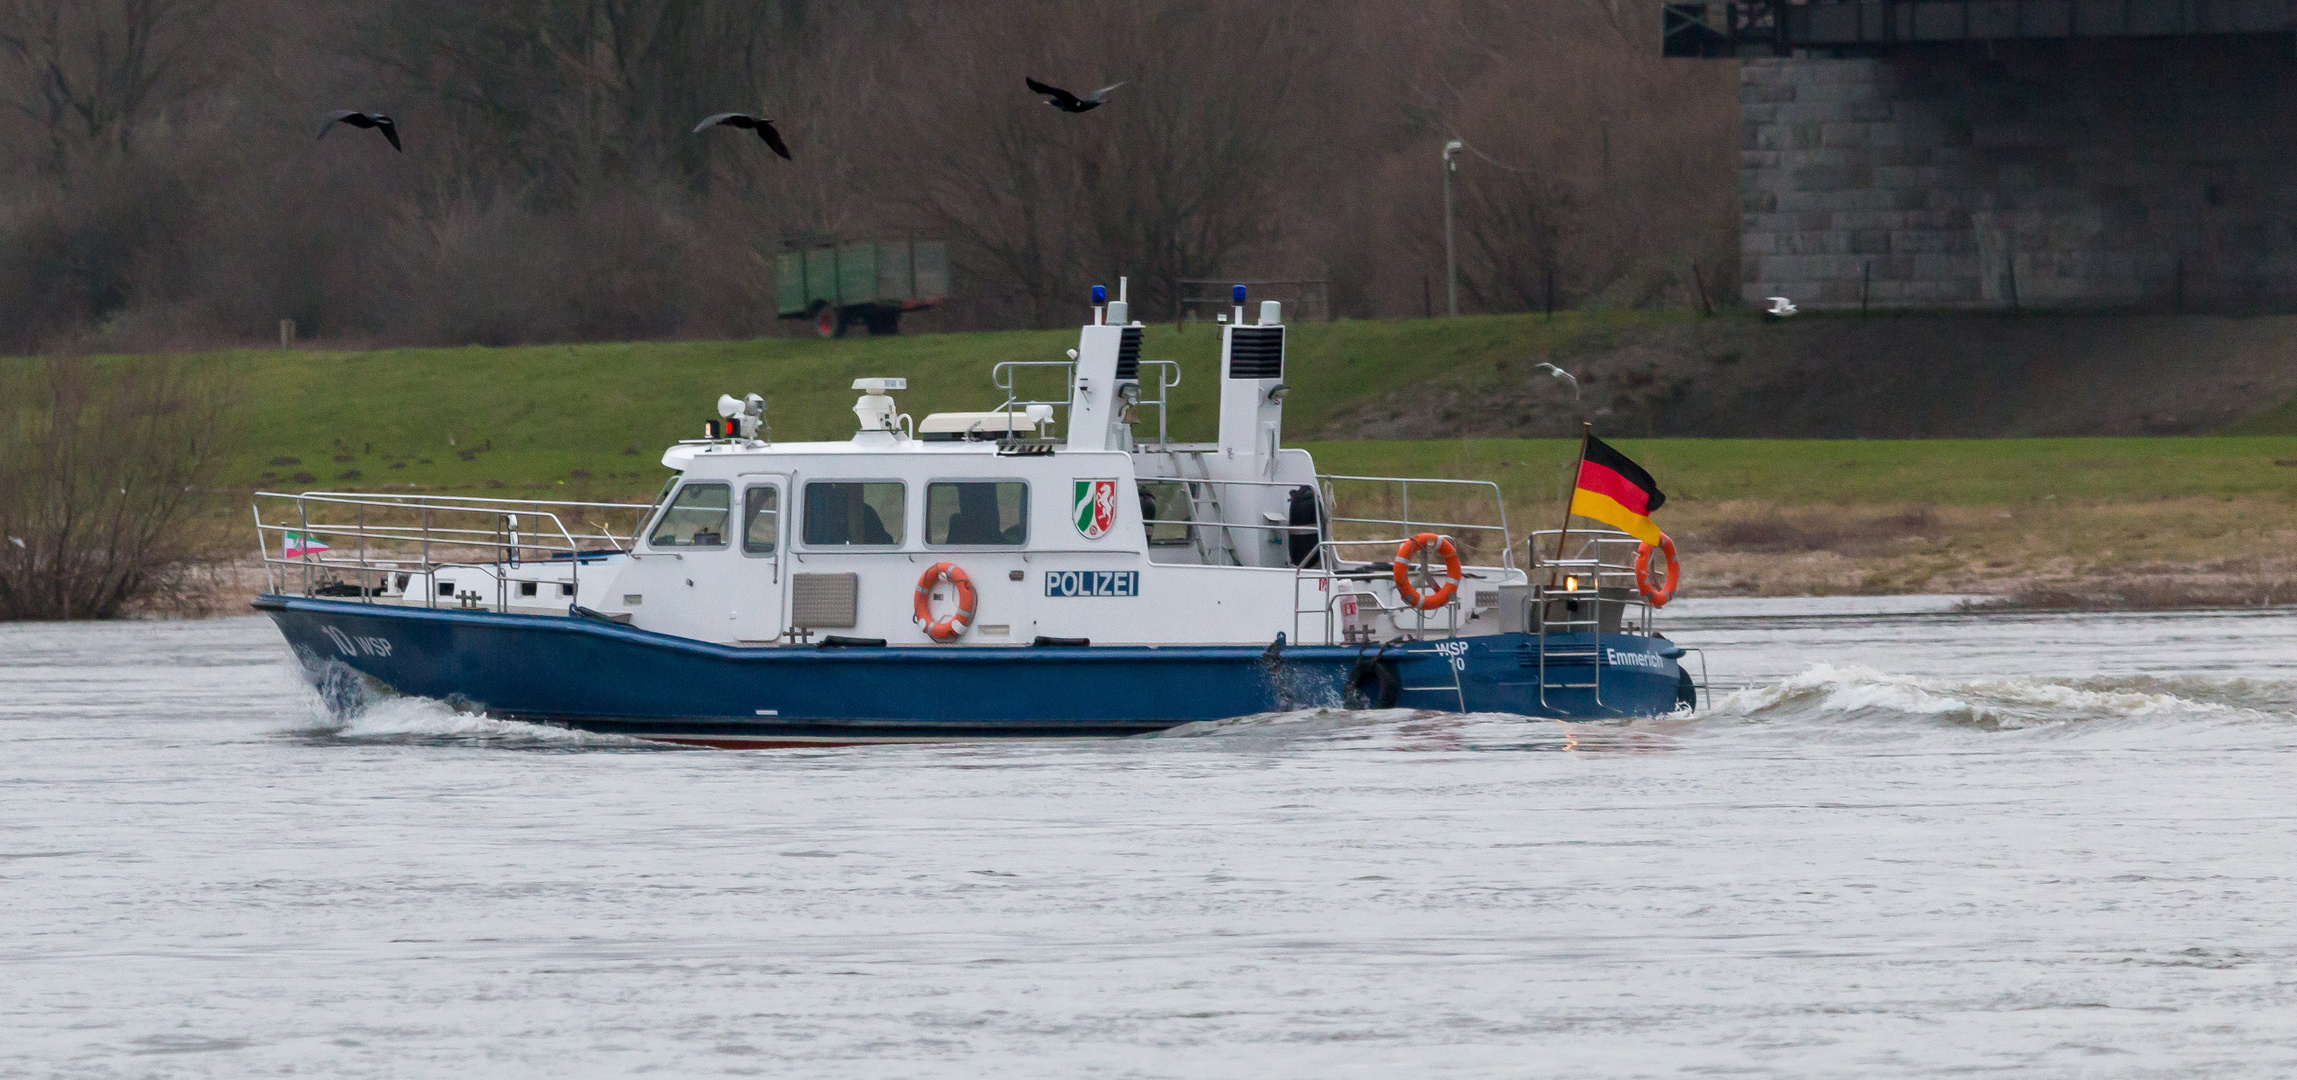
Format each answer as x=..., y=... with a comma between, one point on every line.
x=1252, y=385
x=1107, y=376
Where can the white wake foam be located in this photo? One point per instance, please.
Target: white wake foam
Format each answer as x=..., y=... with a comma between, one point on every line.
x=412, y=719
x=1296, y=722
x=2001, y=703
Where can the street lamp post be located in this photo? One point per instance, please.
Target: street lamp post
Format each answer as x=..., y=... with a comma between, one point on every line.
x=1451, y=257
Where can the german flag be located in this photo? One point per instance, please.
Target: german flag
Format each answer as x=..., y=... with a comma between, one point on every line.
x=1616, y=491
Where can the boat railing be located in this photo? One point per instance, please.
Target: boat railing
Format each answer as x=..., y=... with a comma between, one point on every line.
x=1352, y=549
x=1145, y=393
x=1167, y=377
x=1347, y=571
x=1209, y=500
x=1006, y=377
x=369, y=545
x=1210, y=497
x=1440, y=500
x=1582, y=587
x=1596, y=570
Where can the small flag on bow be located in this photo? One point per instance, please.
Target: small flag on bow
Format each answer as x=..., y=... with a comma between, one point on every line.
x=297, y=545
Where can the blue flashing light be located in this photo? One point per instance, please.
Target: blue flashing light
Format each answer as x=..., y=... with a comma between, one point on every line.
x=1237, y=293
x=1100, y=294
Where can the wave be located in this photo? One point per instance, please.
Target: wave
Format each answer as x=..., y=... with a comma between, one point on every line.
x=1850, y=692
x=348, y=707
x=426, y=721
x=1298, y=722
x=1417, y=731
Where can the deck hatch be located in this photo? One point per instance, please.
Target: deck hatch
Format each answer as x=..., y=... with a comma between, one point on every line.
x=824, y=601
x=1256, y=352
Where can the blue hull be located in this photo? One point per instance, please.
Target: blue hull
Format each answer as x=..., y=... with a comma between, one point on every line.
x=603, y=677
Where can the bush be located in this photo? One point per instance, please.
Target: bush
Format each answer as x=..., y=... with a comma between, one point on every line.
x=100, y=470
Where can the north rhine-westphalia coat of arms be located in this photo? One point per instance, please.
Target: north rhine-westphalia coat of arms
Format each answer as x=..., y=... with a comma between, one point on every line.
x=1095, y=510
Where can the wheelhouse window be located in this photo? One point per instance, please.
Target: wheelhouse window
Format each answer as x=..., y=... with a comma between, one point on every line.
x=696, y=518
x=761, y=520
x=855, y=513
x=977, y=512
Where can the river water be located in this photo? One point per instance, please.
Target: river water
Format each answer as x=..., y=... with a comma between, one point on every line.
x=1913, y=843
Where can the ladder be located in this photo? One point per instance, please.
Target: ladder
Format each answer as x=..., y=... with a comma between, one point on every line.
x=1203, y=491
x=1571, y=654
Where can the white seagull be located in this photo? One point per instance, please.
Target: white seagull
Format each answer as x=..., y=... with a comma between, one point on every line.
x=1781, y=308
x=1562, y=374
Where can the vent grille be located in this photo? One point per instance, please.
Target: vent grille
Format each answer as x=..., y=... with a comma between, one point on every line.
x=824, y=601
x=1567, y=656
x=1256, y=352
x=1129, y=354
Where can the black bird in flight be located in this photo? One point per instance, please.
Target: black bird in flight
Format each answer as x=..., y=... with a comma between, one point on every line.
x=1068, y=102
x=364, y=120
x=759, y=124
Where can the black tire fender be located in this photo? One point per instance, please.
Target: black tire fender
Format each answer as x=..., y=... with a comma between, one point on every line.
x=1373, y=684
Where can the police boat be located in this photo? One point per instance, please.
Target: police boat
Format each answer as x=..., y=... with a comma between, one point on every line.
x=1050, y=568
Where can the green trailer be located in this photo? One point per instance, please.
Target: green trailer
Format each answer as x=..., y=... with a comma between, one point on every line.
x=866, y=284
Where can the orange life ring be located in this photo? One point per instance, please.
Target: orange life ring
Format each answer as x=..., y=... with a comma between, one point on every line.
x=1451, y=556
x=1657, y=597
x=953, y=627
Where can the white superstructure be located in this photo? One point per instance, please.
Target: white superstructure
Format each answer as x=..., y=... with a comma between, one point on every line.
x=1072, y=519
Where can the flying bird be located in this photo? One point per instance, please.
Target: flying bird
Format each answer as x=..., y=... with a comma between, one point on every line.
x=759, y=124
x=1781, y=308
x=1068, y=102
x=358, y=119
x=1562, y=374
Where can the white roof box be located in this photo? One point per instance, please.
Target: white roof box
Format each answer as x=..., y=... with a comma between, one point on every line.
x=968, y=426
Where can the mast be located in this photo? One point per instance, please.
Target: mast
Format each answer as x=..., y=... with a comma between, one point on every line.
x=1587, y=431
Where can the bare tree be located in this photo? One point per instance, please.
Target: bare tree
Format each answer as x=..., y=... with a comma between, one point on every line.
x=1177, y=176
x=87, y=72
x=1194, y=167
x=99, y=470
x=158, y=178
x=1590, y=162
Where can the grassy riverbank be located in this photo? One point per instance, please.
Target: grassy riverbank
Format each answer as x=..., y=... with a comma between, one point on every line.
x=543, y=414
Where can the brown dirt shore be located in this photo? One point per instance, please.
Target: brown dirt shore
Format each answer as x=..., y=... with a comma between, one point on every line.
x=2192, y=552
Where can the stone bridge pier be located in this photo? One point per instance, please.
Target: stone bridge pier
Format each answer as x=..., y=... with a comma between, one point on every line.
x=2103, y=173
